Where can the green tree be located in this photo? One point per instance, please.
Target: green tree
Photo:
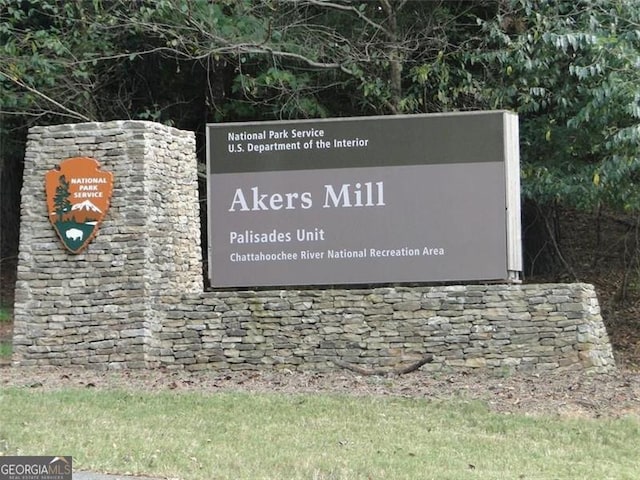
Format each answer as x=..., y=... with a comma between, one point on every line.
x=61, y=198
x=571, y=70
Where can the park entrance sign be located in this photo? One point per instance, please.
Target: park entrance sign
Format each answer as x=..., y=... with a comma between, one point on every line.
x=366, y=200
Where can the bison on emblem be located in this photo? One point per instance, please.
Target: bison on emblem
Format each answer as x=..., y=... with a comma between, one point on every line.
x=74, y=234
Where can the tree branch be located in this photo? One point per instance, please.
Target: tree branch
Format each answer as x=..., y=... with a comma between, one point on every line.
x=398, y=371
x=556, y=247
x=68, y=111
x=346, y=8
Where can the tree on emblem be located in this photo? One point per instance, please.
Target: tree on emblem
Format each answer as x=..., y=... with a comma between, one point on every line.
x=61, y=198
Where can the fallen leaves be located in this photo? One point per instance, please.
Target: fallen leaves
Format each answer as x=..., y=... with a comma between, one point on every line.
x=570, y=394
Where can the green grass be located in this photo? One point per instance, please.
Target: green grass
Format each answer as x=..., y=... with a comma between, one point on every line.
x=5, y=316
x=6, y=346
x=277, y=436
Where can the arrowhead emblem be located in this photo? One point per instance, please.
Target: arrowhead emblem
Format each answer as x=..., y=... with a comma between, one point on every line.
x=78, y=197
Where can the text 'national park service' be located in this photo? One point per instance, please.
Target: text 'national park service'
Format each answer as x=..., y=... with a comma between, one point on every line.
x=289, y=139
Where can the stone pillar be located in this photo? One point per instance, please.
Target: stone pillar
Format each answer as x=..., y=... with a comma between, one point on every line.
x=98, y=308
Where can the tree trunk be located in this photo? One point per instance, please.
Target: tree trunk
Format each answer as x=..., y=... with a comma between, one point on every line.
x=394, y=53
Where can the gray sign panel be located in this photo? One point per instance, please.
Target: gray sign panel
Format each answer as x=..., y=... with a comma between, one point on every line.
x=358, y=201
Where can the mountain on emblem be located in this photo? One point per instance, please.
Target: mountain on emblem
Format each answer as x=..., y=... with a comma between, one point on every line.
x=78, y=196
x=86, y=205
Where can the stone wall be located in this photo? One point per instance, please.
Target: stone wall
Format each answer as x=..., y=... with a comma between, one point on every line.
x=529, y=328
x=134, y=298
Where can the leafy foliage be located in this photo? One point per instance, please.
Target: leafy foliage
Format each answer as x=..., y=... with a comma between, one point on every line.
x=46, y=51
x=570, y=69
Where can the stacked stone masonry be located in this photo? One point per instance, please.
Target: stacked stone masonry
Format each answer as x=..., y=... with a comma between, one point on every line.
x=529, y=328
x=135, y=299
x=95, y=308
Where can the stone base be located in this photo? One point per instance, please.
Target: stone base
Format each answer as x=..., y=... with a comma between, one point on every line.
x=498, y=328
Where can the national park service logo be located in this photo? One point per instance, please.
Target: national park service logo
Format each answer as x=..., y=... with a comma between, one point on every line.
x=78, y=195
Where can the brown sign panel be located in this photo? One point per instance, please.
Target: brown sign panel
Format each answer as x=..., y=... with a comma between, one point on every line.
x=78, y=197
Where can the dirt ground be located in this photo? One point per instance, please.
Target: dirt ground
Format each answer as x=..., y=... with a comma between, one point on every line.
x=557, y=394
